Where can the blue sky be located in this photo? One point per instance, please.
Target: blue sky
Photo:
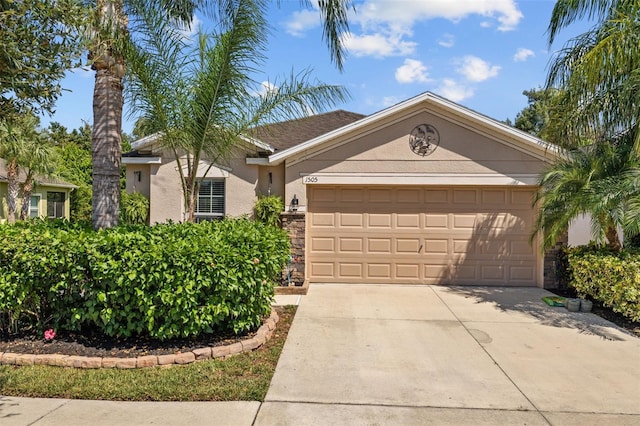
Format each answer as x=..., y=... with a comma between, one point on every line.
x=479, y=53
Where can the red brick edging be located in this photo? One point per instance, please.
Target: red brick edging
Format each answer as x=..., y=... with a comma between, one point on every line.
x=263, y=334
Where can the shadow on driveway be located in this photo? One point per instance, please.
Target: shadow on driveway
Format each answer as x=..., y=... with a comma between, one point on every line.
x=529, y=301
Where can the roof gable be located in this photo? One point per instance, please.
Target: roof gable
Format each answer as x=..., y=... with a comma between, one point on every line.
x=509, y=135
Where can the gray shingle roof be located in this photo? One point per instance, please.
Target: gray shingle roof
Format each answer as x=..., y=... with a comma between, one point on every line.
x=290, y=133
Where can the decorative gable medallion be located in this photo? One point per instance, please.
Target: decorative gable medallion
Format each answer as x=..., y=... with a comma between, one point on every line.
x=424, y=139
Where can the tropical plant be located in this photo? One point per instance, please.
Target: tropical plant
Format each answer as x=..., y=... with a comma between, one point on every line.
x=134, y=208
x=22, y=147
x=600, y=180
x=203, y=101
x=268, y=209
x=108, y=37
x=598, y=71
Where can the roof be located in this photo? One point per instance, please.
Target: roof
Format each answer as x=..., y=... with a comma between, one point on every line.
x=40, y=180
x=529, y=142
x=287, y=134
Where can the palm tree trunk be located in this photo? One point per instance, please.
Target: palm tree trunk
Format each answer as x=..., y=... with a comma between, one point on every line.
x=107, y=121
x=13, y=189
x=612, y=236
x=27, y=189
x=106, y=149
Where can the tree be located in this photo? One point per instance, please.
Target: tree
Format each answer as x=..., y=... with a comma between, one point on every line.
x=542, y=115
x=39, y=41
x=600, y=180
x=598, y=72
x=204, y=103
x=23, y=148
x=110, y=34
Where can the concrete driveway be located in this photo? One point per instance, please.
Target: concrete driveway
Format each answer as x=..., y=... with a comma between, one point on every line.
x=383, y=354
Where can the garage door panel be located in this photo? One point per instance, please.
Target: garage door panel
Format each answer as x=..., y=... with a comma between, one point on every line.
x=350, y=270
x=351, y=245
x=379, y=245
x=379, y=271
x=322, y=244
x=466, y=236
x=379, y=220
x=407, y=271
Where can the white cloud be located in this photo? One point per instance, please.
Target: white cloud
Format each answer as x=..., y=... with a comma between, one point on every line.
x=188, y=31
x=447, y=40
x=375, y=12
x=266, y=87
x=454, y=91
x=411, y=72
x=523, y=54
x=378, y=45
x=302, y=21
x=476, y=69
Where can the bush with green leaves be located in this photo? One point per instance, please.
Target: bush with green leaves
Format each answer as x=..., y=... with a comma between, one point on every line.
x=165, y=281
x=134, y=208
x=268, y=209
x=612, y=278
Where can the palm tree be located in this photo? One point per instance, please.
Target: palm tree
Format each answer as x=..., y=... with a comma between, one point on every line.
x=37, y=159
x=598, y=72
x=24, y=149
x=109, y=35
x=600, y=180
x=203, y=101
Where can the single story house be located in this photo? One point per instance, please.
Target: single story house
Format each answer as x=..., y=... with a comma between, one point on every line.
x=426, y=191
x=49, y=199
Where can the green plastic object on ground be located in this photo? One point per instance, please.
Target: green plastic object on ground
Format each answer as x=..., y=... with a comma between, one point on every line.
x=554, y=300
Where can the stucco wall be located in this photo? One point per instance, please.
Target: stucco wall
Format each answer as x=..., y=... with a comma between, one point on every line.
x=385, y=149
x=40, y=190
x=141, y=186
x=165, y=190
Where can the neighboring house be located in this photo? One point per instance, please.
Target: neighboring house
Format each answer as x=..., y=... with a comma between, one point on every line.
x=49, y=199
x=426, y=191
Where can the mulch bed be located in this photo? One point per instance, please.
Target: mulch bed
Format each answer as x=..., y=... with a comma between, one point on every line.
x=605, y=312
x=96, y=345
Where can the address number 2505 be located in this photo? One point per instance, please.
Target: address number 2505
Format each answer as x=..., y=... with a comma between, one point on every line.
x=310, y=179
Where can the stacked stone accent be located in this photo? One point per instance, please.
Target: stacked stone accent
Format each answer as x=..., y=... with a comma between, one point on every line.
x=551, y=264
x=263, y=334
x=294, y=224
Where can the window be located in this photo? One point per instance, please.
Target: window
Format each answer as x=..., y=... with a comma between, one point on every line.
x=210, y=203
x=55, y=204
x=34, y=206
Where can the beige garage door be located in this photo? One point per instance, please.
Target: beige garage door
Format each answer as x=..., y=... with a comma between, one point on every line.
x=429, y=235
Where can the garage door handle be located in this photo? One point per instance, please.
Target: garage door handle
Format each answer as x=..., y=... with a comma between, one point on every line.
x=420, y=249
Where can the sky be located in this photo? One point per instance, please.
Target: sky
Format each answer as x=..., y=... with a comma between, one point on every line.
x=479, y=53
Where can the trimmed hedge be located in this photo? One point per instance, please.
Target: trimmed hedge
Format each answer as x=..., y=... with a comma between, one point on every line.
x=609, y=277
x=165, y=281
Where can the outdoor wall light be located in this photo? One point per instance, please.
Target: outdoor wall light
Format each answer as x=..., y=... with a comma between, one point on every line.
x=294, y=204
x=137, y=175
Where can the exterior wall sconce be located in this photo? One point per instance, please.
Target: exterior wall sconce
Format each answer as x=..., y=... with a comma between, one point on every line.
x=137, y=175
x=294, y=204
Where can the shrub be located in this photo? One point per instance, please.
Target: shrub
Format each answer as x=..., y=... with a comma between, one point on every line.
x=611, y=278
x=267, y=210
x=134, y=208
x=166, y=281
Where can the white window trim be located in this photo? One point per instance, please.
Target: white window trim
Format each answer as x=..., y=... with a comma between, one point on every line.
x=39, y=196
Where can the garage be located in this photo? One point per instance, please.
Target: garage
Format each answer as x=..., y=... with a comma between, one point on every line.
x=450, y=235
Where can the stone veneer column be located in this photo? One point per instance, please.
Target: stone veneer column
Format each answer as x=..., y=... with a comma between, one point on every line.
x=294, y=224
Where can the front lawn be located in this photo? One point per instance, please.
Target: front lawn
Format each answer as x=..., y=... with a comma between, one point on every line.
x=244, y=377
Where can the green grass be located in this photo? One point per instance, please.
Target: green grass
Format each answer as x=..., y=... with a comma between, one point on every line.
x=244, y=377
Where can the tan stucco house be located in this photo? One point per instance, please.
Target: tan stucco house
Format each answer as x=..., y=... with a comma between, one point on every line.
x=426, y=191
x=49, y=199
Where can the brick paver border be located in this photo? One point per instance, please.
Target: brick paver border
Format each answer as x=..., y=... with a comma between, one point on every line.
x=263, y=334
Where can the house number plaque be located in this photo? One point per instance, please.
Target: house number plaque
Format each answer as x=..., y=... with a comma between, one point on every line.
x=424, y=139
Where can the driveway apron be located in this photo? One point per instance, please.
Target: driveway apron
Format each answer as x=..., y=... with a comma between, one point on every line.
x=450, y=355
